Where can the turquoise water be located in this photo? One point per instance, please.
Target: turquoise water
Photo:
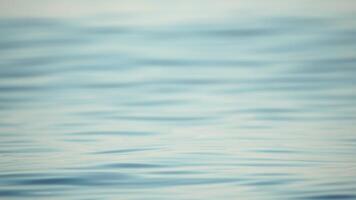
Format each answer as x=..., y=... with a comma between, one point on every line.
x=178, y=100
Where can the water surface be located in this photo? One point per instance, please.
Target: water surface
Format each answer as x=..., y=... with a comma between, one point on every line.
x=177, y=100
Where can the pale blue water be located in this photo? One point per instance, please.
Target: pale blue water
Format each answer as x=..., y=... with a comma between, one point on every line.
x=180, y=100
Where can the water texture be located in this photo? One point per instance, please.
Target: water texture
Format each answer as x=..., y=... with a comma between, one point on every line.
x=180, y=100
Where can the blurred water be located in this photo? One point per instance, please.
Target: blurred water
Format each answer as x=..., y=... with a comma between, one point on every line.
x=177, y=100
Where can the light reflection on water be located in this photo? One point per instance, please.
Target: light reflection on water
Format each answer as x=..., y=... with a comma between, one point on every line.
x=162, y=105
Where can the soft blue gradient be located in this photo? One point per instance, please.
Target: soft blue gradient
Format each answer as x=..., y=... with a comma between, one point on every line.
x=181, y=100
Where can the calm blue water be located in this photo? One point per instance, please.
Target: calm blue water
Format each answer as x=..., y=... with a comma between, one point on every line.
x=181, y=100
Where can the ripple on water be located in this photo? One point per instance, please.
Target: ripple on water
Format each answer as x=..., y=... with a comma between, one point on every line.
x=258, y=105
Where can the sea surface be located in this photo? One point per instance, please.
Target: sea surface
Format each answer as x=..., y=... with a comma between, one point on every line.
x=178, y=100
